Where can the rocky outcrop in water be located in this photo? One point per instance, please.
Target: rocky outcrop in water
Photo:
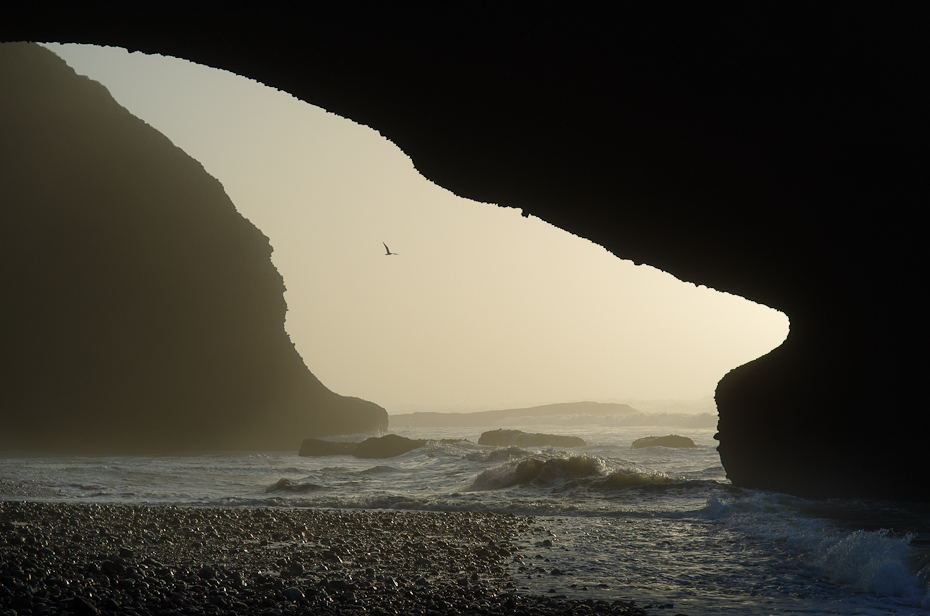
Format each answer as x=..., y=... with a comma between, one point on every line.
x=517, y=438
x=387, y=446
x=672, y=440
x=141, y=311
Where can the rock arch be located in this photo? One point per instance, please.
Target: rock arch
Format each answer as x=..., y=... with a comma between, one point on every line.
x=764, y=154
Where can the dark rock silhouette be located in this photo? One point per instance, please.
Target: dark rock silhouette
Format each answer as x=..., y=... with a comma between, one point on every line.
x=672, y=440
x=755, y=151
x=517, y=438
x=387, y=446
x=141, y=310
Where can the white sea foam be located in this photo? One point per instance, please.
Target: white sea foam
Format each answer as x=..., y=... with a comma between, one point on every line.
x=873, y=561
x=877, y=562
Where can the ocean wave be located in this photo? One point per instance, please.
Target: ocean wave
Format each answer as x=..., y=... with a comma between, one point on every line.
x=336, y=470
x=872, y=561
x=538, y=470
x=447, y=447
x=576, y=472
x=295, y=487
x=377, y=470
x=497, y=455
x=85, y=487
x=630, y=478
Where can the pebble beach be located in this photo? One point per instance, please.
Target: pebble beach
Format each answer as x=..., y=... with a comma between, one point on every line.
x=87, y=559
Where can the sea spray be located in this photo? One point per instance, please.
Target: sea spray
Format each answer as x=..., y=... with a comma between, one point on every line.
x=870, y=561
x=580, y=473
x=630, y=478
x=537, y=469
x=501, y=454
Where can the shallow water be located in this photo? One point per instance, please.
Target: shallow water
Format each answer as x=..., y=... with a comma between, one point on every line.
x=655, y=525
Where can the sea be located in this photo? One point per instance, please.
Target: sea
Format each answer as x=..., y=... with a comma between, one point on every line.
x=660, y=526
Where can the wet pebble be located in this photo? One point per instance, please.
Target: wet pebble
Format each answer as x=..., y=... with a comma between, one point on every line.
x=89, y=560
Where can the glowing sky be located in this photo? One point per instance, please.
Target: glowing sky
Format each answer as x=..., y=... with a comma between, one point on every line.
x=481, y=309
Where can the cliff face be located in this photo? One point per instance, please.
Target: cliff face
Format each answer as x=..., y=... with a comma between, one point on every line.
x=141, y=310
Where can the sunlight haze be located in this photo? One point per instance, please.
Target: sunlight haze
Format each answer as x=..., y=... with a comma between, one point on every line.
x=482, y=308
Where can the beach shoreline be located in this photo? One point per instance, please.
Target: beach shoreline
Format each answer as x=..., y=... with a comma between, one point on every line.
x=89, y=559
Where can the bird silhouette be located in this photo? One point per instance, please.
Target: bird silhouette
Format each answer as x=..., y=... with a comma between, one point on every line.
x=388, y=253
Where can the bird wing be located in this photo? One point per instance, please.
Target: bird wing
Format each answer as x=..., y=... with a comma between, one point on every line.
x=386, y=248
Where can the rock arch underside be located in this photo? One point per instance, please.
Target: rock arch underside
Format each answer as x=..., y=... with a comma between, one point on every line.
x=776, y=156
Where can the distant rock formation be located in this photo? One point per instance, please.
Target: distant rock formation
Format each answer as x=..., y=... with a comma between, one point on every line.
x=516, y=438
x=141, y=311
x=491, y=418
x=387, y=446
x=672, y=440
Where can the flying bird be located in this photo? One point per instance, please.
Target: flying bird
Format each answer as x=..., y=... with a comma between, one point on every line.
x=388, y=253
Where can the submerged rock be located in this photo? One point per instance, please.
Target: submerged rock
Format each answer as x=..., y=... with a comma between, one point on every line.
x=672, y=440
x=517, y=438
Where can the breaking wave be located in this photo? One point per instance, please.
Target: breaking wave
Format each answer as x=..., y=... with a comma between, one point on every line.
x=578, y=471
x=294, y=487
x=502, y=454
x=878, y=562
x=629, y=478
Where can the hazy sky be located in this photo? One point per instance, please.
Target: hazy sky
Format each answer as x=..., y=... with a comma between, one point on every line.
x=481, y=309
